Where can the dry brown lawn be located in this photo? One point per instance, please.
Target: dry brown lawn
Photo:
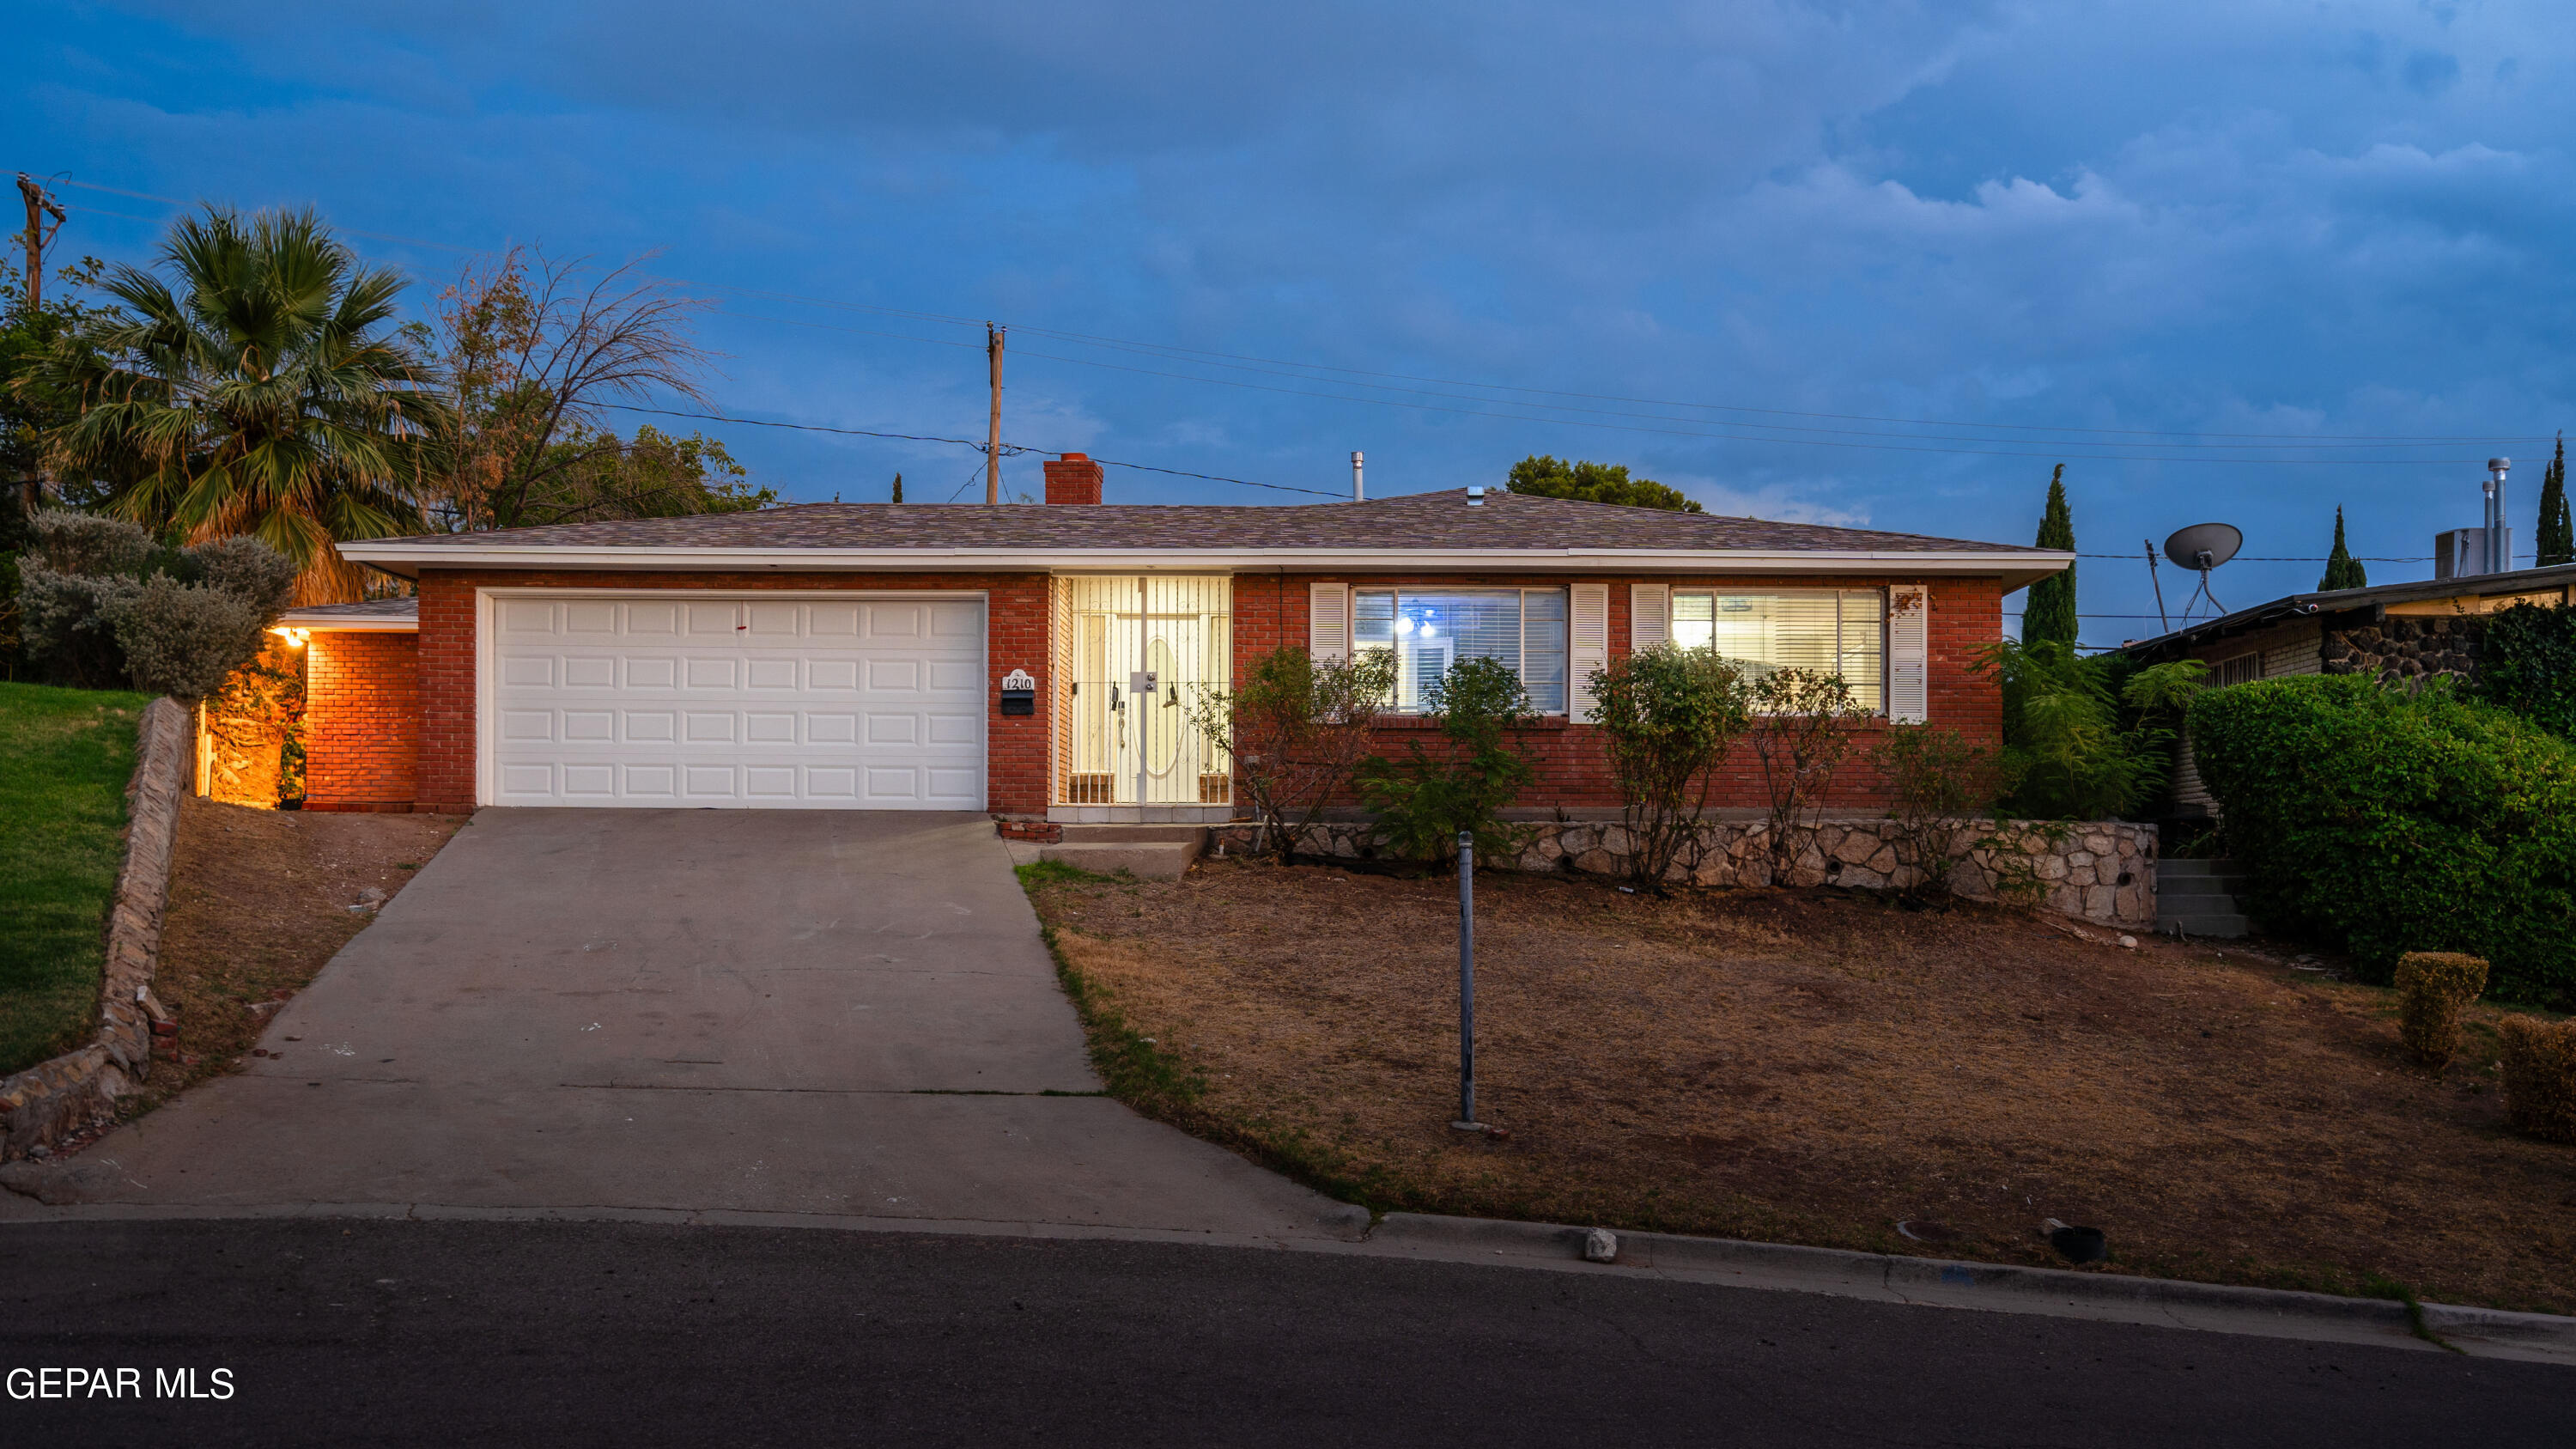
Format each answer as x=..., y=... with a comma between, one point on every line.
x=258, y=905
x=1814, y=1067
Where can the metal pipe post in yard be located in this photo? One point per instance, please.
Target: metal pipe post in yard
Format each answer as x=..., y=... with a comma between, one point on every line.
x=1467, y=985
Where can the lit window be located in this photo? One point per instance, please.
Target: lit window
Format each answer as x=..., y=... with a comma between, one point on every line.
x=1428, y=632
x=1830, y=631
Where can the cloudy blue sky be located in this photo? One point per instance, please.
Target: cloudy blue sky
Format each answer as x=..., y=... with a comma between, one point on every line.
x=1850, y=261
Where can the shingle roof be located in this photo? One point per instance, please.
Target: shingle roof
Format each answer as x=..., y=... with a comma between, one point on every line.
x=1416, y=521
x=372, y=611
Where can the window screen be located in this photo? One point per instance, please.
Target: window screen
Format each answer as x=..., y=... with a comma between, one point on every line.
x=1835, y=631
x=1429, y=631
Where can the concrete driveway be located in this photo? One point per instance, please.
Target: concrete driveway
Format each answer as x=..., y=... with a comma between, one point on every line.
x=844, y=1013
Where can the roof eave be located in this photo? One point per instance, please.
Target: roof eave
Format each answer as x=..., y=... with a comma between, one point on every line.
x=2015, y=568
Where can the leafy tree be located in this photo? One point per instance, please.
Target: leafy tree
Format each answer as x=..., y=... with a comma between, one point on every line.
x=253, y=385
x=2049, y=612
x=2557, y=538
x=1668, y=718
x=1545, y=477
x=2085, y=739
x=1296, y=729
x=31, y=408
x=2343, y=571
x=1424, y=803
x=537, y=352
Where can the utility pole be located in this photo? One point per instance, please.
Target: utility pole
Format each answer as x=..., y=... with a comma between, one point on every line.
x=39, y=206
x=993, y=434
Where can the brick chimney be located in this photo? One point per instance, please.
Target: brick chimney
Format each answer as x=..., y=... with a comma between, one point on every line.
x=1073, y=478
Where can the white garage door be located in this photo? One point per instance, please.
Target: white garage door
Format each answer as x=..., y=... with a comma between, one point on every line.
x=872, y=703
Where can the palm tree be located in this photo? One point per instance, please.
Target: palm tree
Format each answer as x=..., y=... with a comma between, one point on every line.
x=260, y=388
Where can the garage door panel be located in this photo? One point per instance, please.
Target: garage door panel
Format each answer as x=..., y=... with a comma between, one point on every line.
x=759, y=703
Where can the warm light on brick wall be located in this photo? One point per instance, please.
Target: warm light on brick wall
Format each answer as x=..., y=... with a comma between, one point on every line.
x=361, y=721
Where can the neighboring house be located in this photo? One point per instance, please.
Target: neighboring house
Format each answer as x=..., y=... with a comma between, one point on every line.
x=2397, y=632
x=1040, y=660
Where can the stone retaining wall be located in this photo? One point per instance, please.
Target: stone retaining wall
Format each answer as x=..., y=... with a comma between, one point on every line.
x=2100, y=870
x=50, y=1100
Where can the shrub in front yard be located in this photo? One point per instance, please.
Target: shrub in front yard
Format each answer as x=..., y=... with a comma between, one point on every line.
x=2380, y=821
x=1802, y=735
x=1296, y=728
x=2540, y=1076
x=1668, y=717
x=1424, y=803
x=1940, y=785
x=2433, y=988
x=103, y=604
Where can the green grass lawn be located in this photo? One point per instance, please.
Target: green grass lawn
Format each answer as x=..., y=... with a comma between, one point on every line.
x=65, y=755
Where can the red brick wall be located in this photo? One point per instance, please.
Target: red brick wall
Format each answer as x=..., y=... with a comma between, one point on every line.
x=1967, y=614
x=361, y=721
x=1269, y=609
x=1017, y=621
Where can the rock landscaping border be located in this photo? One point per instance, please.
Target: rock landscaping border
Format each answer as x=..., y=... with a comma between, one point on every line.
x=2102, y=870
x=47, y=1102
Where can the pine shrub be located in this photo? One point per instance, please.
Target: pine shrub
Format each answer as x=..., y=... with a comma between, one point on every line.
x=2433, y=989
x=2540, y=1076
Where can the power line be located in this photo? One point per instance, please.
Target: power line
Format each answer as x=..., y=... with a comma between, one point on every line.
x=2282, y=441
x=1008, y=449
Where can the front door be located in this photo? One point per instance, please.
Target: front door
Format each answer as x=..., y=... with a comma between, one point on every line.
x=1150, y=655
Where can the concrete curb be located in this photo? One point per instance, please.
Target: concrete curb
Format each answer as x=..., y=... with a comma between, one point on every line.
x=1999, y=1287
x=49, y=1100
x=1485, y=1242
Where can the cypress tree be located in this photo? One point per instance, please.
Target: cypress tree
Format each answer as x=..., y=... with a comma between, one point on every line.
x=2557, y=541
x=2050, y=610
x=898, y=487
x=2343, y=571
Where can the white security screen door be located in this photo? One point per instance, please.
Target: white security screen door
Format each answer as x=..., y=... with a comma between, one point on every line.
x=678, y=698
x=1131, y=746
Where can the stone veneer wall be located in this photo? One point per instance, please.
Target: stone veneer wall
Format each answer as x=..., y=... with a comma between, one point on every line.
x=2100, y=870
x=49, y=1100
x=2403, y=649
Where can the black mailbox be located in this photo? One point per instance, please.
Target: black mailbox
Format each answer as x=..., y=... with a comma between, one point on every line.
x=1019, y=694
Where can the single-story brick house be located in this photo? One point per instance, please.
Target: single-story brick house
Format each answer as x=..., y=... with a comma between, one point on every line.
x=1034, y=661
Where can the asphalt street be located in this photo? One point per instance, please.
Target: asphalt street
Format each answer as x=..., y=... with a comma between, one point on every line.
x=353, y=1333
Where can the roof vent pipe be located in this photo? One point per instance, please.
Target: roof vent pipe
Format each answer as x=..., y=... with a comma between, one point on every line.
x=1358, y=495
x=2499, y=535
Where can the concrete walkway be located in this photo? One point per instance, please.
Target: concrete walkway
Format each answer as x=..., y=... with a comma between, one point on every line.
x=840, y=1013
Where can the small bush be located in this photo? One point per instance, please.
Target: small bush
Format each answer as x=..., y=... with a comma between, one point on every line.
x=1939, y=786
x=1424, y=804
x=1802, y=736
x=2433, y=988
x=102, y=605
x=1668, y=718
x=1296, y=728
x=2540, y=1076
x=2380, y=821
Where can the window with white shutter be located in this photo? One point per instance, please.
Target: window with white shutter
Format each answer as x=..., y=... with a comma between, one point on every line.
x=1650, y=615
x=1430, y=630
x=1588, y=634
x=1909, y=638
x=1328, y=623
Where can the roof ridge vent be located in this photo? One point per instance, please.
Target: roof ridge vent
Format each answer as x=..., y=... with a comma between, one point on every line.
x=1476, y=496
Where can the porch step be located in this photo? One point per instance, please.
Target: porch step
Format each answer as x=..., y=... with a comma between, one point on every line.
x=2198, y=898
x=1138, y=834
x=1148, y=852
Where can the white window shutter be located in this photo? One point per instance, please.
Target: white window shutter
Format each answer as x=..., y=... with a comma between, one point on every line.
x=1588, y=645
x=1650, y=615
x=1328, y=623
x=1909, y=607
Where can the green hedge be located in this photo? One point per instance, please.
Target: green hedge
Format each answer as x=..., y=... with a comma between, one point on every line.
x=2382, y=822
x=2528, y=664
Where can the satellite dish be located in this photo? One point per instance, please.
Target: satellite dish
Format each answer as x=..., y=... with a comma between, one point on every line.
x=2204, y=546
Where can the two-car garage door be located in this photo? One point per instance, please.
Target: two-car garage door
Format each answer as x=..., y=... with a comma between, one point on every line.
x=866, y=702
